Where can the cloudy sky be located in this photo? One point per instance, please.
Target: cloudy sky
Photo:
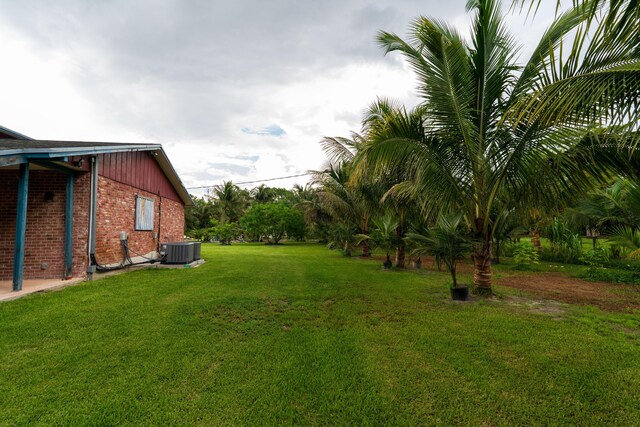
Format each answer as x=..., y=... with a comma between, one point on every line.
x=234, y=90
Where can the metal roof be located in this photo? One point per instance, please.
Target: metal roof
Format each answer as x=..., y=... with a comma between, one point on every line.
x=16, y=151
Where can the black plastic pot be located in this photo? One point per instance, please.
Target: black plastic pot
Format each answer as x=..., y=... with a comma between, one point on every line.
x=461, y=293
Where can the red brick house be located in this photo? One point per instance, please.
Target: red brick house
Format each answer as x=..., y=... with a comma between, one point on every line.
x=65, y=204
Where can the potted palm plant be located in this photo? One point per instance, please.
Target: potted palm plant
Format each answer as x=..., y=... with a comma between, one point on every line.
x=383, y=236
x=447, y=242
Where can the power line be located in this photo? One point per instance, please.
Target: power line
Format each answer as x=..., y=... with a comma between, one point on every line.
x=258, y=180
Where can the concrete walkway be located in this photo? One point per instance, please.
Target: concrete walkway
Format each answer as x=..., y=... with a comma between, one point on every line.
x=43, y=285
x=32, y=286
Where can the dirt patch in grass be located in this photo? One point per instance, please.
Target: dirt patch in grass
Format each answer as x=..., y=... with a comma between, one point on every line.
x=559, y=287
x=552, y=308
x=555, y=286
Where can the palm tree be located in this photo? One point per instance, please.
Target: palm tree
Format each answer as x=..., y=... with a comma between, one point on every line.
x=317, y=218
x=614, y=210
x=347, y=200
x=229, y=201
x=605, y=209
x=491, y=132
x=619, y=17
x=628, y=239
x=198, y=216
x=388, y=181
x=447, y=242
x=262, y=194
x=384, y=236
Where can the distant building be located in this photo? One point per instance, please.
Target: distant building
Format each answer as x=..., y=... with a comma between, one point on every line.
x=68, y=206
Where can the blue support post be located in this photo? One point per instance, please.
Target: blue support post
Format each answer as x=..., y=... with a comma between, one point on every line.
x=68, y=229
x=21, y=226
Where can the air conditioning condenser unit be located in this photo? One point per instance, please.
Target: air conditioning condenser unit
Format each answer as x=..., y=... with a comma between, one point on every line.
x=178, y=252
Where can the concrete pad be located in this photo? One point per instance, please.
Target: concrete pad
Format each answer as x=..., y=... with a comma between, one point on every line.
x=44, y=285
x=32, y=286
x=193, y=264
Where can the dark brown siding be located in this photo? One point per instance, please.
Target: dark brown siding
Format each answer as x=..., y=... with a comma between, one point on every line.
x=138, y=169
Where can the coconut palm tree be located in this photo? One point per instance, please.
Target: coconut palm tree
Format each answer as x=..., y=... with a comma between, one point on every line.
x=619, y=17
x=384, y=235
x=346, y=199
x=317, y=218
x=447, y=241
x=375, y=119
x=229, y=201
x=262, y=194
x=605, y=209
x=628, y=239
x=492, y=132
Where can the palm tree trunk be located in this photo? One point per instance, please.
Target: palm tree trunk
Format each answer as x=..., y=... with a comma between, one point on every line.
x=453, y=275
x=482, y=267
x=400, y=255
x=366, y=250
x=417, y=263
x=400, y=252
x=535, y=239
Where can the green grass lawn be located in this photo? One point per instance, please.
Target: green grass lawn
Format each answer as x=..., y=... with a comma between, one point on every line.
x=297, y=334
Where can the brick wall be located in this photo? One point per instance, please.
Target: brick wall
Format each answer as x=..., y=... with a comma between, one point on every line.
x=81, y=196
x=45, y=224
x=116, y=213
x=172, y=221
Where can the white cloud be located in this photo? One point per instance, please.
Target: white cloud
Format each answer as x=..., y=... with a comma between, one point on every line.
x=193, y=75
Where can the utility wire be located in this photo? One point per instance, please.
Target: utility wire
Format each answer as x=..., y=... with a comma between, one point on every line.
x=258, y=180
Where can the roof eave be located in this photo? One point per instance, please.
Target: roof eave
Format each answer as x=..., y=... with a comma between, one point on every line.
x=173, y=177
x=48, y=153
x=22, y=155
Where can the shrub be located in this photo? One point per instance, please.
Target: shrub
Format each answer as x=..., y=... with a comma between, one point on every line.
x=595, y=259
x=524, y=255
x=507, y=249
x=566, y=244
x=225, y=233
x=202, y=234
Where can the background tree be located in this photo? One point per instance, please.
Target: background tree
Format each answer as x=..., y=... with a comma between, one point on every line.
x=198, y=217
x=353, y=202
x=317, y=219
x=274, y=222
x=262, y=194
x=229, y=201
